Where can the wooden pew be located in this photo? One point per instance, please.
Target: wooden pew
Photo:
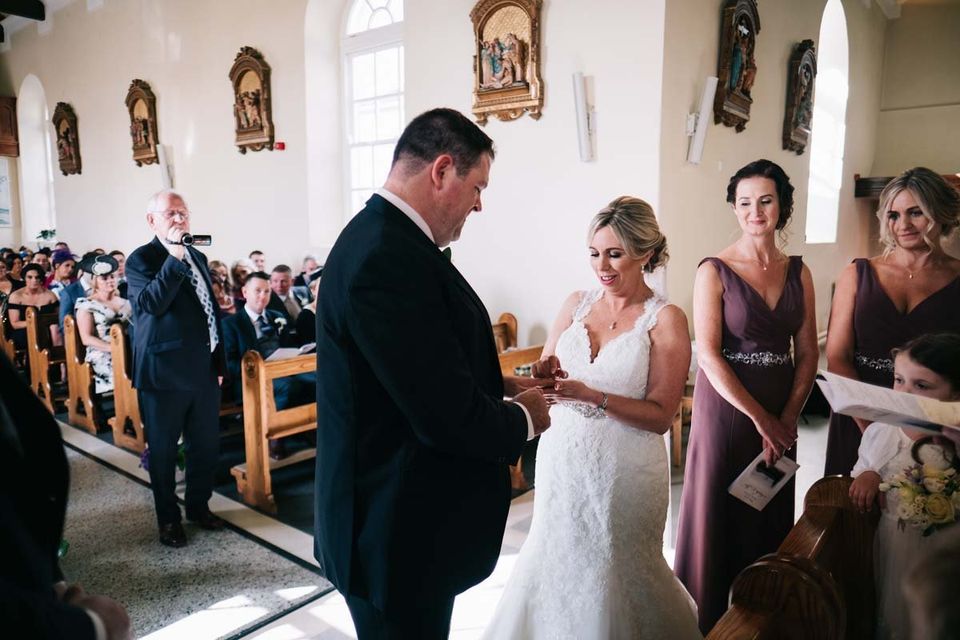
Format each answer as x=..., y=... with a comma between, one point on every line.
x=682, y=417
x=6, y=344
x=505, y=332
x=81, y=410
x=127, y=426
x=126, y=423
x=43, y=357
x=262, y=421
x=819, y=583
x=509, y=360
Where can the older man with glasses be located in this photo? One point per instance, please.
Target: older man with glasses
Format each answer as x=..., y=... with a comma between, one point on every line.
x=177, y=364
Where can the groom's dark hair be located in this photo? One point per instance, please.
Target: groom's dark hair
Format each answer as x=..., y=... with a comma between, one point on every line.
x=440, y=131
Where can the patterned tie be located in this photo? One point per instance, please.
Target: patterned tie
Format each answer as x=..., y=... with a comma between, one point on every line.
x=204, y=295
x=265, y=328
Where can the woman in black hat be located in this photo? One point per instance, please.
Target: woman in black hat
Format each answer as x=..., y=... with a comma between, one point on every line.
x=96, y=313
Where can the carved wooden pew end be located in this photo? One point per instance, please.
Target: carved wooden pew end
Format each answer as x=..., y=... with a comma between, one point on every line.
x=819, y=583
x=262, y=422
x=126, y=424
x=43, y=357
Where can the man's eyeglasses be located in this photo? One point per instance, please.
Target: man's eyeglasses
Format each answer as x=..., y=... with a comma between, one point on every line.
x=170, y=214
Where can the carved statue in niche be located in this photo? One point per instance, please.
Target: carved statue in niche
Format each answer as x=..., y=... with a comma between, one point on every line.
x=506, y=71
x=68, y=146
x=737, y=66
x=503, y=63
x=798, y=116
x=253, y=124
x=142, y=107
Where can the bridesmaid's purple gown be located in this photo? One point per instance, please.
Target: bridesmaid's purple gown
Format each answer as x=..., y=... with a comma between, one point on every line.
x=879, y=327
x=719, y=535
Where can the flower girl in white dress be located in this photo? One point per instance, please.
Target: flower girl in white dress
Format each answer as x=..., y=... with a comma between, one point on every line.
x=592, y=567
x=927, y=366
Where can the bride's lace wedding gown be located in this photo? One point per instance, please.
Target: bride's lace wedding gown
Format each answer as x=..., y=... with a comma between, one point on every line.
x=592, y=566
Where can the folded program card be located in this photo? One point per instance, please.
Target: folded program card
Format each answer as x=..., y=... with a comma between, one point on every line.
x=759, y=483
x=879, y=404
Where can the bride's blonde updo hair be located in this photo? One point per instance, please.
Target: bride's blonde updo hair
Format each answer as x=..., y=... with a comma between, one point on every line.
x=633, y=222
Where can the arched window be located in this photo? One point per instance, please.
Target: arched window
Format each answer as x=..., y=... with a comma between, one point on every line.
x=372, y=49
x=828, y=134
x=36, y=160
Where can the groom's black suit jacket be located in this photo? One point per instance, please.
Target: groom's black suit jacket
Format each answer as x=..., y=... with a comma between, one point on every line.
x=413, y=434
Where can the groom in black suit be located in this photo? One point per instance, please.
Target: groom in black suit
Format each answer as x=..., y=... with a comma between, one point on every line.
x=177, y=362
x=414, y=435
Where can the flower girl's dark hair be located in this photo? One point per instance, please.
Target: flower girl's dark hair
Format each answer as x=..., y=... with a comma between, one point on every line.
x=939, y=352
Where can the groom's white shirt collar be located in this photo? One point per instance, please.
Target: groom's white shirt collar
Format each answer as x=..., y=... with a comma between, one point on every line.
x=409, y=211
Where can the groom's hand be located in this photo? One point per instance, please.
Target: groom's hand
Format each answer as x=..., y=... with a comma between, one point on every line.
x=534, y=402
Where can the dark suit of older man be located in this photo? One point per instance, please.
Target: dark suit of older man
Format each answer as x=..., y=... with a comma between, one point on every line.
x=177, y=358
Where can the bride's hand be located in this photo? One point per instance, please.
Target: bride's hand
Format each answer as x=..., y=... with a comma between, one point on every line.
x=567, y=390
x=548, y=367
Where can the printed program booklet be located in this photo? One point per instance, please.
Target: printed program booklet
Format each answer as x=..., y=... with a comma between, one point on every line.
x=879, y=404
x=759, y=483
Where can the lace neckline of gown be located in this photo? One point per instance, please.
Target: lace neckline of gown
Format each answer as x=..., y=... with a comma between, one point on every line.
x=591, y=299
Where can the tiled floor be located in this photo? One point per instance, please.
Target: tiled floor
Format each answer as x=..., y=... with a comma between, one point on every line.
x=328, y=618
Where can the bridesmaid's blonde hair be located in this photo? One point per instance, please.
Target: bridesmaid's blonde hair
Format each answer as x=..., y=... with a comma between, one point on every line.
x=937, y=199
x=633, y=222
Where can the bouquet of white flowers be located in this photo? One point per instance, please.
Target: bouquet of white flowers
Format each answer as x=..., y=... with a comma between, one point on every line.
x=929, y=495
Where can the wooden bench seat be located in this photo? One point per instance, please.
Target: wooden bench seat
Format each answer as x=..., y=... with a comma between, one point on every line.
x=126, y=424
x=44, y=358
x=82, y=410
x=819, y=583
x=262, y=422
x=6, y=344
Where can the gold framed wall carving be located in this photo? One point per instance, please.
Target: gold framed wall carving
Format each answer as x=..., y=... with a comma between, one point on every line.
x=252, y=111
x=506, y=61
x=737, y=65
x=64, y=122
x=798, y=115
x=142, y=107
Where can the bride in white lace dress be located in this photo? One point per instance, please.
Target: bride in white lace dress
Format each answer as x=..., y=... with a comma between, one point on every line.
x=592, y=566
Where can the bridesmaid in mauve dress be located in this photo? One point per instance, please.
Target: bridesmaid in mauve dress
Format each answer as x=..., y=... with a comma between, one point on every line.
x=750, y=303
x=883, y=302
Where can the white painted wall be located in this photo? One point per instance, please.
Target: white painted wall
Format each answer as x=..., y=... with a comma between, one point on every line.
x=184, y=49
x=527, y=249
x=920, y=108
x=524, y=253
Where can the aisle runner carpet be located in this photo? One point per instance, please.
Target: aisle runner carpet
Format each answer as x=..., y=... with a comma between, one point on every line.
x=112, y=532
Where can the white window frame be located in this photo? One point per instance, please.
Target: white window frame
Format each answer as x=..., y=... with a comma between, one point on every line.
x=365, y=42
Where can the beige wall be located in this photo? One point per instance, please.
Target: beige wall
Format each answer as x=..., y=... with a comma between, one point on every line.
x=695, y=216
x=184, y=49
x=920, y=108
x=525, y=252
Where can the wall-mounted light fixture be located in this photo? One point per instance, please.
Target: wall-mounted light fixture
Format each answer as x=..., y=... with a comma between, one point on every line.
x=697, y=123
x=585, y=118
